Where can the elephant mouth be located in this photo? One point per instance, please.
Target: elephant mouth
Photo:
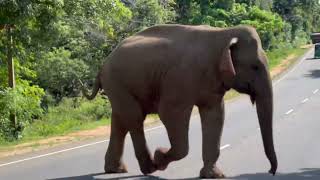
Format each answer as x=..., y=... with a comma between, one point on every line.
x=247, y=89
x=253, y=98
x=252, y=94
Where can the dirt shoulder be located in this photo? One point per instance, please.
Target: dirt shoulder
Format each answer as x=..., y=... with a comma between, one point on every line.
x=288, y=62
x=104, y=131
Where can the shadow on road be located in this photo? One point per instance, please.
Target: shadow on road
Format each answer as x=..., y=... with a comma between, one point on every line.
x=313, y=59
x=83, y=177
x=313, y=74
x=136, y=177
x=305, y=173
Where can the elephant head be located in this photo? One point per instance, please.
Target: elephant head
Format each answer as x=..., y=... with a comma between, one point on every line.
x=245, y=69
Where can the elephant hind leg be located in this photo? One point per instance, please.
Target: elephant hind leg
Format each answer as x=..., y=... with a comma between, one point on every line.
x=136, y=118
x=141, y=151
x=113, y=157
x=130, y=115
x=176, y=121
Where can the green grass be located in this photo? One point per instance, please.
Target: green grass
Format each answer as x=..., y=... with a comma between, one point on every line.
x=275, y=57
x=69, y=116
x=231, y=94
x=153, y=116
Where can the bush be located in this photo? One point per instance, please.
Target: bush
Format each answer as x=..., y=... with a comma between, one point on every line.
x=58, y=73
x=70, y=114
x=268, y=25
x=300, y=38
x=24, y=101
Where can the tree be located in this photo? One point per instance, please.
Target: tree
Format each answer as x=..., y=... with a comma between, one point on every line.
x=268, y=25
x=224, y=4
x=59, y=73
x=262, y=4
x=151, y=12
x=303, y=15
x=19, y=20
x=182, y=9
x=11, y=74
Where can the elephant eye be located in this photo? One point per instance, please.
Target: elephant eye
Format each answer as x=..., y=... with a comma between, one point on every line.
x=255, y=67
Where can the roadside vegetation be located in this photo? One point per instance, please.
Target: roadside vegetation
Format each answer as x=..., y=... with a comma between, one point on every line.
x=278, y=55
x=57, y=42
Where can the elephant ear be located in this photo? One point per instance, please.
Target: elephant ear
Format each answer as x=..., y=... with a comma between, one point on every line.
x=226, y=67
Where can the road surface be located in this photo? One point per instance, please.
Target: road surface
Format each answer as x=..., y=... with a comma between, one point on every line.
x=297, y=133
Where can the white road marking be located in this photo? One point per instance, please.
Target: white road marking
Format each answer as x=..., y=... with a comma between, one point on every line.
x=294, y=68
x=65, y=150
x=225, y=146
x=52, y=153
x=305, y=100
x=158, y=127
x=290, y=111
x=315, y=91
x=78, y=147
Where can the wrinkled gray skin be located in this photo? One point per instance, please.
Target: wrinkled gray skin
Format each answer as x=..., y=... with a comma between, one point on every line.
x=168, y=69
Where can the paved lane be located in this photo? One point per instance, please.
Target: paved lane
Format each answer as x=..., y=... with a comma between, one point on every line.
x=297, y=125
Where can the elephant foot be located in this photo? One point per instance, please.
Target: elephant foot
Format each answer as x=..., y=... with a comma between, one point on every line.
x=147, y=166
x=160, y=158
x=211, y=173
x=110, y=169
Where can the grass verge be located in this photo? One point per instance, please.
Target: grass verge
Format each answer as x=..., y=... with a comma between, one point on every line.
x=69, y=116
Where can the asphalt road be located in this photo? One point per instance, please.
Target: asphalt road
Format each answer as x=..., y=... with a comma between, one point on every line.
x=297, y=132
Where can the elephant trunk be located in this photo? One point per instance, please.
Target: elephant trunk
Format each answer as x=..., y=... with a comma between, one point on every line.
x=264, y=105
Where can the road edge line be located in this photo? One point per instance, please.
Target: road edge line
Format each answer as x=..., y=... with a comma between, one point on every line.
x=294, y=67
x=53, y=153
x=68, y=149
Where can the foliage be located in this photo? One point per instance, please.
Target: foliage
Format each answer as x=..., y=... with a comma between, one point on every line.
x=301, y=14
x=262, y=4
x=277, y=56
x=71, y=114
x=24, y=101
x=91, y=29
x=267, y=24
x=151, y=12
x=58, y=73
x=182, y=7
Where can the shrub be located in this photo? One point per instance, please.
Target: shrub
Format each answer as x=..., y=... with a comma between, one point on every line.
x=58, y=73
x=24, y=101
x=68, y=115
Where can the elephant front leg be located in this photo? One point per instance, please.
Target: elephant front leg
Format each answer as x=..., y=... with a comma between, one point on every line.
x=177, y=125
x=212, y=118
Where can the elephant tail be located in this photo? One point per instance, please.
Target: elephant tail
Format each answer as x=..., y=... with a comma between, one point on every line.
x=96, y=88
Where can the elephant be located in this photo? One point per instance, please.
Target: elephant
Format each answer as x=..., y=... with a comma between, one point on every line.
x=169, y=69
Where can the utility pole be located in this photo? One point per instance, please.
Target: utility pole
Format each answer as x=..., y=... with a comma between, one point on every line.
x=11, y=77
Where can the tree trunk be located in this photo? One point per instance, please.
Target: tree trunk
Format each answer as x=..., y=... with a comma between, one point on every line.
x=11, y=79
